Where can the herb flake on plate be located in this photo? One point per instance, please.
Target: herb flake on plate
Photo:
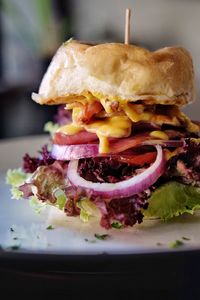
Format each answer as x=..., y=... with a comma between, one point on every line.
x=101, y=237
x=90, y=241
x=159, y=244
x=176, y=244
x=185, y=238
x=50, y=227
x=117, y=225
x=14, y=247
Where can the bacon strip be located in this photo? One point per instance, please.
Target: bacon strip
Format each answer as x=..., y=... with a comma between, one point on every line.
x=89, y=110
x=126, y=143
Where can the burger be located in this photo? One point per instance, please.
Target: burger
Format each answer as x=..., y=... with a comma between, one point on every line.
x=120, y=147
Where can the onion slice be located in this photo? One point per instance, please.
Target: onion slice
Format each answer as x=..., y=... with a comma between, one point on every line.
x=70, y=152
x=125, y=188
x=165, y=143
x=82, y=150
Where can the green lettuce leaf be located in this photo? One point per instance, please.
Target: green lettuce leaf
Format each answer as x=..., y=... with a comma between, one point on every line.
x=36, y=204
x=117, y=225
x=173, y=199
x=15, y=178
x=88, y=209
x=16, y=193
x=60, y=198
x=46, y=180
x=51, y=127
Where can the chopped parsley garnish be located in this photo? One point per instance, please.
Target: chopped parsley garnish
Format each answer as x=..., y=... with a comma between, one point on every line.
x=14, y=247
x=101, y=236
x=15, y=238
x=185, y=238
x=117, y=225
x=159, y=244
x=11, y=229
x=176, y=244
x=50, y=227
x=90, y=241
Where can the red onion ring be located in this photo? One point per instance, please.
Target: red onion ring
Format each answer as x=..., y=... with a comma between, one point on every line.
x=125, y=188
x=70, y=152
x=165, y=143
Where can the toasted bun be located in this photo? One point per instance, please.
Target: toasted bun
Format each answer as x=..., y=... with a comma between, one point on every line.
x=118, y=71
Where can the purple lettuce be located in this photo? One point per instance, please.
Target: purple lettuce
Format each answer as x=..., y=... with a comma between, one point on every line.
x=30, y=164
x=185, y=166
x=44, y=182
x=105, y=169
x=127, y=211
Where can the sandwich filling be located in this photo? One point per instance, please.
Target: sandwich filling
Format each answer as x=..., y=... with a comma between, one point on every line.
x=114, y=160
x=119, y=119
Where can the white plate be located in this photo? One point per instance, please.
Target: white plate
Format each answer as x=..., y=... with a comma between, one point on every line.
x=70, y=234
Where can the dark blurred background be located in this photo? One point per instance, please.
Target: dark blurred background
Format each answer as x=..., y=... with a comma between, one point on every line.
x=32, y=30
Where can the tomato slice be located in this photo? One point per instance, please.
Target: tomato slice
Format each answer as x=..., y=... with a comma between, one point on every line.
x=138, y=159
x=82, y=137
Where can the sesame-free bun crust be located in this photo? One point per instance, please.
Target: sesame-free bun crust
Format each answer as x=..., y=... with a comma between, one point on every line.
x=118, y=71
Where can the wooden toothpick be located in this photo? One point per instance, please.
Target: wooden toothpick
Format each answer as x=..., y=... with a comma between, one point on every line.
x=127, y=26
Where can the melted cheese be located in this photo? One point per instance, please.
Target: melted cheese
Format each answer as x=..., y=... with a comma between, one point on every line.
x=116, y=126
x=109, y=98
x=103, y=144
x=73, y=127
x=159, y=134
x=131, y=112
x=70, y=129
x=191, y=127
x=106, y=105
x=76, y=114
x=169, y=154
x=136, y=112
x=129, y=108
x=119, y=126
